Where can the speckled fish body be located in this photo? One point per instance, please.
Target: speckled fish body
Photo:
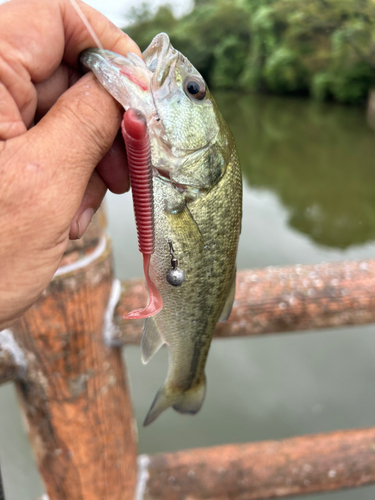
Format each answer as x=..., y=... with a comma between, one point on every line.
x=197, y=205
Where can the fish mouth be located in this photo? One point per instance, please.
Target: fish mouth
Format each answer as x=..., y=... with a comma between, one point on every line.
x=130, y=78
x=127, y=79
x=112, y=66
x=145, y=85
x=160, y=58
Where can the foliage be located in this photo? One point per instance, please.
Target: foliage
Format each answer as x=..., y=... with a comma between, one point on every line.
x=324, y=48
x=214, y=37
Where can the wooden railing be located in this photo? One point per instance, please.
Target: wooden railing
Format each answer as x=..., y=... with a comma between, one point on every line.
x=64, y=356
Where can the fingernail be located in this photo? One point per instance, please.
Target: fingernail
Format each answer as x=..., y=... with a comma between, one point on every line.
x=84, y=221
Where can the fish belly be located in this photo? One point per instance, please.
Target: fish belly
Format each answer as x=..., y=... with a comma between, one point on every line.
x=205, y=237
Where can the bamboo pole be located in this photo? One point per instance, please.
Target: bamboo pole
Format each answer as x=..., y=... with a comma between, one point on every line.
x=74, y=393
x=256, y=471
x=278, y=299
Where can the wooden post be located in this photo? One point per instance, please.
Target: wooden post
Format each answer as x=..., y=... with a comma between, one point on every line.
x=74, y=392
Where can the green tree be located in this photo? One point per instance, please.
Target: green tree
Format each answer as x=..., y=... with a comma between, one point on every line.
x=324, y=48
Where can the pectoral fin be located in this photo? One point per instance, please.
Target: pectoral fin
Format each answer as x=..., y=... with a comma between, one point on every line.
x=227, y=309
x=151, y=340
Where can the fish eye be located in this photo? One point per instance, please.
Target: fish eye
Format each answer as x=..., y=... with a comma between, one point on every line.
x=195, y=87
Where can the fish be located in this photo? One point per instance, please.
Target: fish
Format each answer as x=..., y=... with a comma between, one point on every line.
x=197, y=209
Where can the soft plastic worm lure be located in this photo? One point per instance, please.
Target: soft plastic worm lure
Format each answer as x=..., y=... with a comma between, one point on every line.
x=135, y=134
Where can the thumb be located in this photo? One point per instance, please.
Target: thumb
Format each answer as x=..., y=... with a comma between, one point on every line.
x=43, y=176
x=70, y=141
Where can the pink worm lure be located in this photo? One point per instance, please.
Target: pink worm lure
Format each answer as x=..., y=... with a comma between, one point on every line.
x=135, y=134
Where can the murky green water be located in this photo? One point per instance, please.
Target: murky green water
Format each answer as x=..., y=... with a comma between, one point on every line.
x=309, y=174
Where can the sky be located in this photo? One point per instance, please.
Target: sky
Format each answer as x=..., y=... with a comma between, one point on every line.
x=116, y=10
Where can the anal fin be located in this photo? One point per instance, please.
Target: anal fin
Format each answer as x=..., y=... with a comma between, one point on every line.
x=151, y=340
x=227, y=309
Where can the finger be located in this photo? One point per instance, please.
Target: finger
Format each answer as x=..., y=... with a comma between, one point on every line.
x=91, y=201
x=78, y=39
x=54, y=160
x=63, y=35
x=11, y=124
x=113, y=168
x=26, y=57
x=51, y=89
x=14, y=75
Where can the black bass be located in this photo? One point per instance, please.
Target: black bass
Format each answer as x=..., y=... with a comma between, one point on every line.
x=197, y=191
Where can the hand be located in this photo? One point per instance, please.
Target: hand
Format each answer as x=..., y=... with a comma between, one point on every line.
x=58, y=152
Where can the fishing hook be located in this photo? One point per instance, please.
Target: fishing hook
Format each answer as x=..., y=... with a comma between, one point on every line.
x=175, y=276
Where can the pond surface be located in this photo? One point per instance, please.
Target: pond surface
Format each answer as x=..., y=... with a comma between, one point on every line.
x=309, y=178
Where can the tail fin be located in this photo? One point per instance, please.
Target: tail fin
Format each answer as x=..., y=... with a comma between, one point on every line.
x=185, y=402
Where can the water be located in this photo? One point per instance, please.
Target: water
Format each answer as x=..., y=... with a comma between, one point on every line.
x=309, y=197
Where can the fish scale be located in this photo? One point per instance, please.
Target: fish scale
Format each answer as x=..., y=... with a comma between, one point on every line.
x=188, y=318
x=197, y=193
